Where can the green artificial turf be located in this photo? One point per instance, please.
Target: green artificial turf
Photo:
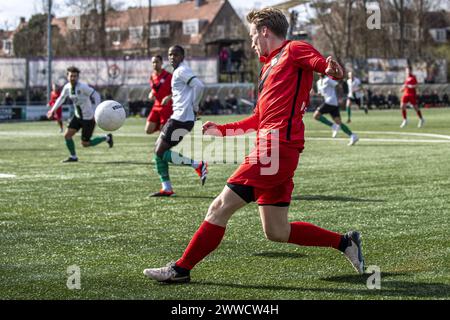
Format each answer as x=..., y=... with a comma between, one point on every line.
x=96, y=214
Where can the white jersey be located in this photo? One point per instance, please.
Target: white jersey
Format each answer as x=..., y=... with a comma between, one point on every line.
x=81, y=98
x=186, y=93
x=327, y=89
x=354, y=88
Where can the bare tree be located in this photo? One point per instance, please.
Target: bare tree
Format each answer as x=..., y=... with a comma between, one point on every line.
x=348, y=27
x=400, y=10
x=420, y=8
x=329, y=23
x=91, y=39
x=102, y=28
x=365, y=33
x=148, y=26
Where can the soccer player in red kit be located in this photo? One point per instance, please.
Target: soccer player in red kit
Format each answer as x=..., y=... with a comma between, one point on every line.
x=57, y=116
x=410, y=96
x=161, y=93
x=284, y=86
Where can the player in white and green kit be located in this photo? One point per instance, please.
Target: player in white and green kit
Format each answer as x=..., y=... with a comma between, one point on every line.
x=326, y=87
x=81, y=95
x=355, y=94
x=187, y=91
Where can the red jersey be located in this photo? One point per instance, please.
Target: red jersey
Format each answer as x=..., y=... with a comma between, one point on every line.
x=285, y=83
x=54, y=95
x=161, y=87
x=410, y=80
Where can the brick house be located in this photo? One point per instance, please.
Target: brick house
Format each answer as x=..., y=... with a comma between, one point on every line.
x=202, y=27
x=6, y=44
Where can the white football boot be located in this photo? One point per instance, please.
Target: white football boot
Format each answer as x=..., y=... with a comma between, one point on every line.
x=421, y=123
x=335, y=129
x=353, y=251
x=353, y=139
x=168, y=274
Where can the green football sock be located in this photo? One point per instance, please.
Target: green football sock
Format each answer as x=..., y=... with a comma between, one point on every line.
x=71, y=146
x=95, y=141
x=325, y=121
x=349, y=112
x=162, y=167
x=346, y=129
x=177, y=158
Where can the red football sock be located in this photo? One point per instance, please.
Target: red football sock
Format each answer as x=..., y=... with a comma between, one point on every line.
x=205, y=240
x=419, y=113
x=307, y=234
x=404, y=114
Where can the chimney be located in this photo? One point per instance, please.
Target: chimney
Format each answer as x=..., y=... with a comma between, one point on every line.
x=22, y=20
x=199, y=3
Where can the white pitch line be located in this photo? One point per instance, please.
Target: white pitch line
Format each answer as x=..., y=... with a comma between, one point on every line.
x=7, y=176
x=381, y=140
x=38, y=134
x=34, y=134
x=428, y=135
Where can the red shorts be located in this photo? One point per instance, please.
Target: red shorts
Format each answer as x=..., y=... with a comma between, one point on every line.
x=57, y=115
x=160, y=115
x=272, y=183
x=409, y=99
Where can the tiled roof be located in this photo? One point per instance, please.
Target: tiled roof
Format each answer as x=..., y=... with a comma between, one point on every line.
x=175, y=12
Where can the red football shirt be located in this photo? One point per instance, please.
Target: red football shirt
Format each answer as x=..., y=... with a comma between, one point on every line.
x=284, y=92
x=410, y=80
x=161, y=87
x=54, y=95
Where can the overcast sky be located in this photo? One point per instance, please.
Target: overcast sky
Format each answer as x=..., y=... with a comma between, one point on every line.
x=12, y=10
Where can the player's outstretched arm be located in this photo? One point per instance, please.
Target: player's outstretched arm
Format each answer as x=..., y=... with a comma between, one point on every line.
x=242, y=127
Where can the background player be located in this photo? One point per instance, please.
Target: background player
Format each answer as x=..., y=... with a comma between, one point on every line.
x=284, y=88
x=80, y=94
x=327, y=89
x=355, y=94
x=410, y=96
x=187, y=91
x=57, y=116
x=161, y=94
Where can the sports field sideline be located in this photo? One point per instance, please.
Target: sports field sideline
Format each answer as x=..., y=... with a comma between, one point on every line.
x=393, y=186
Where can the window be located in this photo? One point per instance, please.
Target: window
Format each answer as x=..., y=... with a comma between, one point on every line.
x=220, y=31
x=235, y=30
x=136, y=34
x=411, y=32
x=441, y=35
x=7, y=46
x=91, y=35
x=190, y=26
x=113, y=35
x=159, y=31
x=164, y=30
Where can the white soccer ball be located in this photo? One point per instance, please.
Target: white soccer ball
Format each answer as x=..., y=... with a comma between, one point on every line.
x=110, y=115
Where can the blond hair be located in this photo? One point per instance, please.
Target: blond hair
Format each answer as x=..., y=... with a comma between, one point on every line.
x=271, y=18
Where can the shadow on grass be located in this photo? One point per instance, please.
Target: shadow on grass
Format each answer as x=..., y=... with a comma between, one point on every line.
x=194, y=197
x=389, y=144
x=26, y=150
x=389, y=288
x=392, y=287
x=137, y=163
x=279, y=254
x=333, y=198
